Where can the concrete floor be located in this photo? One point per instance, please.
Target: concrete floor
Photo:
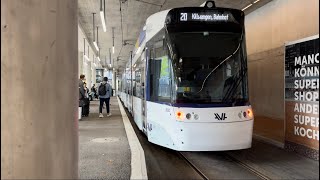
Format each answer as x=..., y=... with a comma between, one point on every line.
x=274, y=162
x=104, y=151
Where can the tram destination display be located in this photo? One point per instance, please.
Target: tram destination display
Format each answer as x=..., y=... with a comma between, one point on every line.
x=302, y=96
x=206, y=16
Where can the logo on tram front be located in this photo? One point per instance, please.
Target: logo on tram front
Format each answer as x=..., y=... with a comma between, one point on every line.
x=220, y=118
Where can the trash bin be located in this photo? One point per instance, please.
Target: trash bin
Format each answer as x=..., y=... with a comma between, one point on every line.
x=79, y=113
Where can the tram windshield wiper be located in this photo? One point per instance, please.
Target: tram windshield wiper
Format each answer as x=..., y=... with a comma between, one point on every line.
x=236, y=81
x=232, y=89
x=222, y=62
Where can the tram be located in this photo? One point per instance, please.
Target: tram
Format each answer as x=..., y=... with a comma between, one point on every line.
x=186, y=83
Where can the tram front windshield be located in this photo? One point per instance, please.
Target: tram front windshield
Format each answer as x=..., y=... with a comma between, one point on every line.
x=208, y=67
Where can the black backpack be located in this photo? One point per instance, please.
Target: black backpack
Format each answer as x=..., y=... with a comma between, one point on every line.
x=102, y=90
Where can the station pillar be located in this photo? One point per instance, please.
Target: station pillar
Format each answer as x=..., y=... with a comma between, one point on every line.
x=39, y=89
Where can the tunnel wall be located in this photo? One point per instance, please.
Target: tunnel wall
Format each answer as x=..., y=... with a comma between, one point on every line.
x=267, y=29
x=39, y=89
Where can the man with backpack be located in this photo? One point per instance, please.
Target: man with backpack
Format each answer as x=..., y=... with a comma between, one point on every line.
x=104, y=92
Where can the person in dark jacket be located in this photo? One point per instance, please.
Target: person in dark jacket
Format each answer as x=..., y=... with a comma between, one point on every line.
x=94, y=91
x=105, y=98
x=81, y=89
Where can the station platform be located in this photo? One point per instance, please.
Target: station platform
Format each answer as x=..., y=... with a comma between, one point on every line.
x=108, y=150
x=104, y=151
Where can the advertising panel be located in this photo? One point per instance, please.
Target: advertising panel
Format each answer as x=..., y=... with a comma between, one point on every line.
x=302, y=96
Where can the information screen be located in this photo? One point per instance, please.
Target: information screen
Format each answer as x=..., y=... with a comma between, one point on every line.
x=205, y=17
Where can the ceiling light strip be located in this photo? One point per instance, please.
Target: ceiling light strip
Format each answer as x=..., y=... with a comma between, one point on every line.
x=112, y=40
x=256, y=1
x=94, y=36
x=99, y=57
x=110, y=58
x=88, y=53
x=84, y=46
x=102, y=15
x=247, y=7
x=95, y=43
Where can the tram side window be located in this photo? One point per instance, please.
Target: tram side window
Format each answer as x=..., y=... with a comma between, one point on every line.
x=160, y=78
x=134, y=83
x=137, y=88
x=164, y=80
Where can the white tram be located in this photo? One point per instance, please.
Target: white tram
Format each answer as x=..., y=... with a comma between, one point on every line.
x=186, y=84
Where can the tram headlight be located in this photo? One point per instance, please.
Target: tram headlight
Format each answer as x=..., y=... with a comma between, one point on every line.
x=250, y=113
x=244, y=114
x=188, y=116
x=196, y=116
x=179, y=115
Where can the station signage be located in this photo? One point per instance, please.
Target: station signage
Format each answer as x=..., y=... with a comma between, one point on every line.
x=205, y=17
x=302, y=96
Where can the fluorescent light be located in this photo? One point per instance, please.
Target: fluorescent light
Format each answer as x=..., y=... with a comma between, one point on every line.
x=246, y=7
x=110, y=65
x=86, y=57
x=112, y=49
x=134, y=65
x=98, y=58
x=96, y=45
x=103, y=21
x=94, y=64
x=138, y=50
x=256, y=1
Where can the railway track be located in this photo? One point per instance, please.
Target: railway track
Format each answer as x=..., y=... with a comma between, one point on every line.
x=247, y=167
x=193, y=166
x=240, y=163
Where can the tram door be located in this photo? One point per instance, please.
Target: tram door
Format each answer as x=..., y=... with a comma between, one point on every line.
x=143, y=94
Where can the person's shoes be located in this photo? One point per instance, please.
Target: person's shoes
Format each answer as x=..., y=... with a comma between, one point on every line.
x=100, y=115
x=109, y=114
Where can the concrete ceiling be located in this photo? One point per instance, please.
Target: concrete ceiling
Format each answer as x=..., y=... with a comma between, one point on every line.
x=134, y=13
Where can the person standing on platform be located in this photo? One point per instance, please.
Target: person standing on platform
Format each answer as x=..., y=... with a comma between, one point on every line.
x=86, y=90
x=93, y=89
x=104, y=96
x=81, y=90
